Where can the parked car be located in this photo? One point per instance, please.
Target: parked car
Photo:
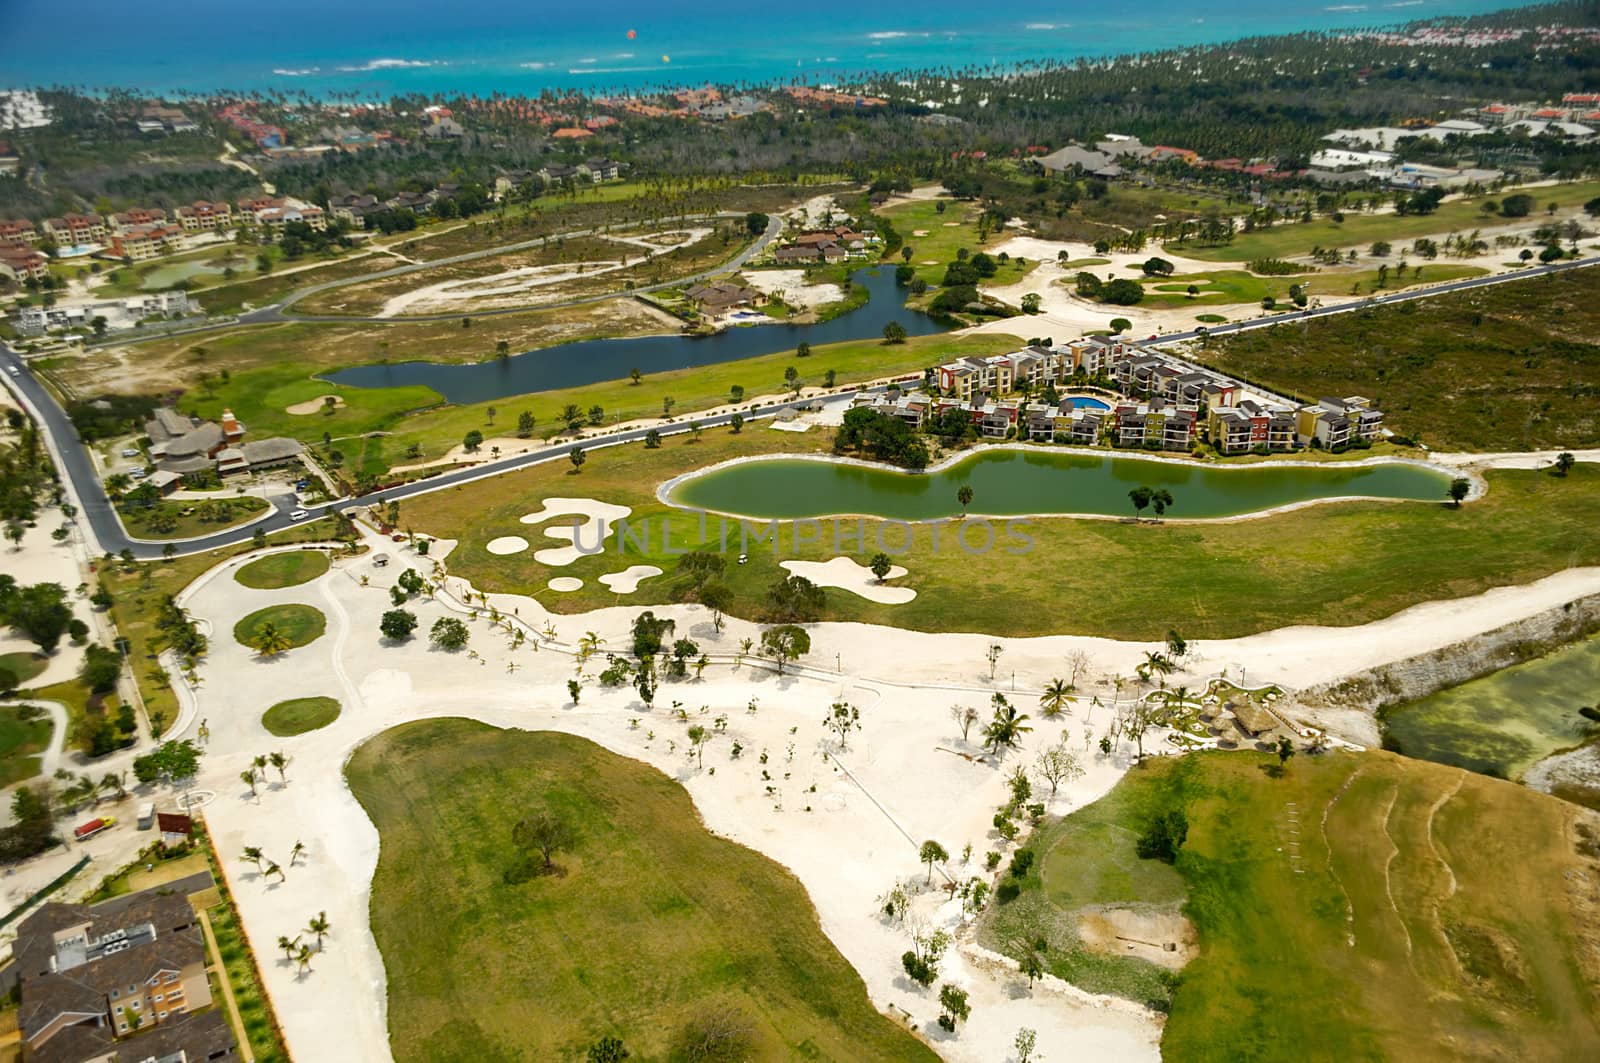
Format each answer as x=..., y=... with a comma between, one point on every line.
x=299, y=514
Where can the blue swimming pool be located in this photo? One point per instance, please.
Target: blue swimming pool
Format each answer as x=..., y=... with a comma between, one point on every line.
x=1087, y=402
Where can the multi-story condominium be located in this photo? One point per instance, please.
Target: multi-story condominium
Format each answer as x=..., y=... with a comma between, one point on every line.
x=1155, y=425
x=201, y=216
x=1336, y=423
x=19, y=230
x=76, y=230
x=271, y=215
x=136, y=217
x=139, y=242
x=1252, y=426
x=965, y=376
x=19, y=262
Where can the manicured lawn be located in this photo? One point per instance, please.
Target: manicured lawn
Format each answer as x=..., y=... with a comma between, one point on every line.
x=1348, y=563
x=943, y=239
x=650, y=923
x=300, y=624
x=24, y=734
x=1361, y=230
x=24, y=665
x=190, y=518
x=81, y=706
x=1508, y=367
x=287, y=569
x=1332, y=900
x=300, y=715
x=1240, y=286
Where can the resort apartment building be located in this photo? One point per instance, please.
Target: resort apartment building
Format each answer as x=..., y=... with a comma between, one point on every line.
x=18, y=229
x=136, y=218
x=92, y=978
x=201, y=216
x=1154, y=425
x=1253, y=426
x=1334, y=424
x=19, y=262
x=270, y=215
x=139, y=242
x=76, y=230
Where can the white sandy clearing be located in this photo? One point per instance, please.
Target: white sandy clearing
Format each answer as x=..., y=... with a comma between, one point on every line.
x=848, y=574
x=919, y=232
x=587, y=534
x=627, y=581
x=507, y=544
x=791, y=285
x=566, y=584
x=316, y=405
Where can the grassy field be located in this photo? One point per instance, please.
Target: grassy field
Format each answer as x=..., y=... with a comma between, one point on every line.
x=24, y=734
x=1364, y=906
x=300, y=624
x=299, y=715
x=650, y=923
x=289, y=569
x=1241, y=286
x=954, y=227
x=1361, y=230
x=1509, y=367
x=23, y=664
x=81, y=705
x=1349, y=563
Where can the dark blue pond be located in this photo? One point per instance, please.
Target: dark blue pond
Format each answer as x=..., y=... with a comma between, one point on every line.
x=590, y=361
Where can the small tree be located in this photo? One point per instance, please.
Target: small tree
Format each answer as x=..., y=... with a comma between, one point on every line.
x=544, y=833
x=786, y=642
x=1026, y=1040
x=449, y=633
x=964, y=496
x=635, y=375
x=964, y=716
x=472, y=440
x=842, y=718
x=652, y=439
x=953, y=1001
x=932, y=853
x=574, y=688
x=1459, y=489
x=398, y=624
x=607, y=1050
x=736, y=423
x=993, y=655
x=699, y=735
x=320, y=927
x=1140, y=497
x=1285, y=750
x=1564, y=463
x=881, y=566
x=894, y=333
x=1053, y=702
x=1057, y=765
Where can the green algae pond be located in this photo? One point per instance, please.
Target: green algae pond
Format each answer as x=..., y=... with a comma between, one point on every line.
x=1503, y=723
x=1015, y=481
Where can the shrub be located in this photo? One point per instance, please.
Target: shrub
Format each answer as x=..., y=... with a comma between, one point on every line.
x=1021, y=862
x=1164, y=836
x=1007, y=891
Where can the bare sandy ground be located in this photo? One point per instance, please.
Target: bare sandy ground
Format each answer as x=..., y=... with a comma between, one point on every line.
x=846, y=573
x=791, y=284
x=316, y=405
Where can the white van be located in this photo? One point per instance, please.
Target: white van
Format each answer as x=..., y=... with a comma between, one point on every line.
x=147, y=815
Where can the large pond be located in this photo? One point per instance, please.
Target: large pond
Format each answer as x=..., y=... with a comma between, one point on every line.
x=590, y=361
x=1012, y=481
x=1503, y=723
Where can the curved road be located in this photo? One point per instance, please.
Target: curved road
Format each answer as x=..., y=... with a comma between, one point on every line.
x=95, y=509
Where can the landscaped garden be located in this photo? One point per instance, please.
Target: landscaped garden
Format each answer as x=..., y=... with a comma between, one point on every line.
x=286, y=569
x=645, y=926
x=299, y=715
x=1331, y=896
x=280, y=627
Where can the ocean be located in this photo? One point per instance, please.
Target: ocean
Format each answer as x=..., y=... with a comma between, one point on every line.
x=364, y=48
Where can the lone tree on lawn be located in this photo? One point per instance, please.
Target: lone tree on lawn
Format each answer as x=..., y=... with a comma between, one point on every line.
x=894, y=332
x=607, y=1050
x=932, y=853
x=271, y=641
x=635, y=376
x=1460, y=488
x=578, y=457
x=1564, y=463
x=1285, y=750
x=964, y=496
x=544, y=833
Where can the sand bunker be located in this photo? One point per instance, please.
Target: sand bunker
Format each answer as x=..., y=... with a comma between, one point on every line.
x=566, y=584
x=507, y=544
x=586, y=535
x=847, y=574
x=919, y=232
x=1164, y=938
x=316, y=405
x=627, y=581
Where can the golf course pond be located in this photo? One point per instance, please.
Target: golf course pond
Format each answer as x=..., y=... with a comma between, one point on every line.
x=1010, y=481
x=1503, y=723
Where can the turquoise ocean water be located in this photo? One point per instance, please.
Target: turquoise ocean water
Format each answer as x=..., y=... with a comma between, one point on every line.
x=363, y=48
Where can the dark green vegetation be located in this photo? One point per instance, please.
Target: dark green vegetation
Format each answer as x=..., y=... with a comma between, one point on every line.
x=647, y=924
x=297, y=624
x=1349, y=562
x=1508, y=367
x=24, y=734
x=1363, y=879
x=299, y=715
x=287, y=569
x=1502, y=723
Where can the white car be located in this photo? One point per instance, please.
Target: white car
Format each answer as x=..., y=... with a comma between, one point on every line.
x=299, y=514
x=130, y=452
x=15, y=371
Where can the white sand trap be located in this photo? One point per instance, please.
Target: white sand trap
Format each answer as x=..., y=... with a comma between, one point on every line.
x=951, y=224
x=566, y=584
x=579, y=533
x=919, y=232
x=316, y=405
x=791, y=283
x=507, y=544
x=847, y=574
x=627, y=581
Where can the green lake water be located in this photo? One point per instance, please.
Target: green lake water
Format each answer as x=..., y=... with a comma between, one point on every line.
x=1014, y=482
x=1505, y=722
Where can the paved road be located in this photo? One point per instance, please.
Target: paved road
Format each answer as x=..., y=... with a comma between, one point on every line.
x=95, y=509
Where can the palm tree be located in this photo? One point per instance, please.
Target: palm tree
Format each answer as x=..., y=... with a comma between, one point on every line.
x=274, y=869
x=260, y=764
x=319, y=927
x=280, y=762
x=270, y=641
x=1155, y=661
x=588, y=645
x=1007, y=727
x=1054, y=700
x=288, y=946
x=253, y=854
x=964, y=496
x=248, y=777
x=303, y=957
x=297, y=852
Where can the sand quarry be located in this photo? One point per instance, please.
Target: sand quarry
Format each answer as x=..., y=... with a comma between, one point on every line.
x=848, y=840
